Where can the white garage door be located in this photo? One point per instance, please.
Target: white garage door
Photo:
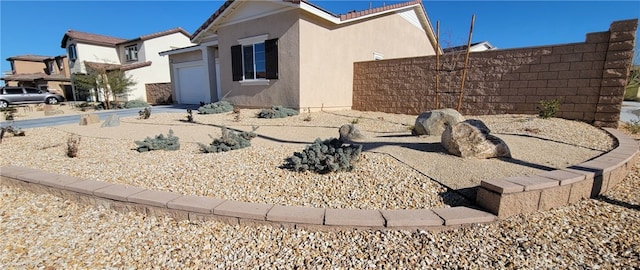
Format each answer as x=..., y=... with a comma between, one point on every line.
x=191, y=84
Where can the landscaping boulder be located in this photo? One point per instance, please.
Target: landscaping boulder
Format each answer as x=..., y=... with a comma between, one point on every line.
x=471, y=138
x=88, y=119
x=53, y=112
x=433, y=122
x=350, y=133
x=112, y=121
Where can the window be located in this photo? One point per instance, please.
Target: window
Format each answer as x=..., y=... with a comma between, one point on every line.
x=71, y=51
x=13, y=90
x=255, y=59
x=131, y=53
x=50, y=68
x=32, y=90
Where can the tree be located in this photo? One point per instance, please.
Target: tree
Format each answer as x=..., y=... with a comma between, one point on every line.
x=108, y=80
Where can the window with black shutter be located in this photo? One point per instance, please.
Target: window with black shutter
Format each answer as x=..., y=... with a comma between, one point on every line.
x=255, y=61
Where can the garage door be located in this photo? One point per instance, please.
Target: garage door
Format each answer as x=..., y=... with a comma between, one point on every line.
x=191, y=84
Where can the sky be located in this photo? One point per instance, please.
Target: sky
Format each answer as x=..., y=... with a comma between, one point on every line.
x=37, y=27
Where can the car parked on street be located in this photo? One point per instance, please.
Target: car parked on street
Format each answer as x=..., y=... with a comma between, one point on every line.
x=13, y=95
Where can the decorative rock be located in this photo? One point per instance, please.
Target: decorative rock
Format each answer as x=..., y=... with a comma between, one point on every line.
x=350, y=133
x=433, y=122
x=112, y=121
x=88, y=119
x=471, y=138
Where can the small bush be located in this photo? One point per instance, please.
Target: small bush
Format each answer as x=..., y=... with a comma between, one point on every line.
x=633, y=126
x=277, y=112
x=217, y=107
x=325, y=157
x=136, y=104
x=160, y=142
x=548, y=108
x=145, y=113
x=17, y=132
x=189, y=115
x=230, y=140
x=73, y=144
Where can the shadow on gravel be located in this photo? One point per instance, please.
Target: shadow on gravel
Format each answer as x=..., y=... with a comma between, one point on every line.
x=627, y=205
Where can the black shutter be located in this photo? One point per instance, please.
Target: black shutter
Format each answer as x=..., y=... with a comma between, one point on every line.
x=236, y=62
x=271, y=58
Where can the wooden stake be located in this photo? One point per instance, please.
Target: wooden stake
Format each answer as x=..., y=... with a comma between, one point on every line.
x=437, y=64
x=466, y=62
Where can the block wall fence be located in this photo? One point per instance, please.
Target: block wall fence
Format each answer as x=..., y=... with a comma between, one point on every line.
x=587, y=78
x=158, y=93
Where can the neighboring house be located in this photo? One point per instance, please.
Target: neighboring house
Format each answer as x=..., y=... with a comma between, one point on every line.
x=138, y=57
x=42, y=72
x=292, y=53
x=475, y=47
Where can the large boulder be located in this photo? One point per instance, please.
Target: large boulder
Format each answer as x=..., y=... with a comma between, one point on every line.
x=433, y=122
x=88, y=119
x=112, y=121
x=471, y=138
x=350, y=133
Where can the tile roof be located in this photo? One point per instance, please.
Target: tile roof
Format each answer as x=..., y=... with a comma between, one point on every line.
x=29, y=77
x=34, y=58
x=356, y=14
x=125, y=67
x=164, y=33
x=343, y=17
x=90, y=38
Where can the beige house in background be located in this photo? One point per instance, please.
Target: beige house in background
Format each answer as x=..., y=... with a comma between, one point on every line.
x=42, y=72
x=292, y=53
x=137, y=57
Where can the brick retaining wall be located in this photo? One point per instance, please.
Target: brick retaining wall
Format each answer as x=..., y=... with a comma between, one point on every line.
x=587, y=78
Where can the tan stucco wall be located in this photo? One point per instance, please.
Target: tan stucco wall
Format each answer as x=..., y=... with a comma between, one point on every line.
x=327, y=54
x=28, y=66
x=283, y=91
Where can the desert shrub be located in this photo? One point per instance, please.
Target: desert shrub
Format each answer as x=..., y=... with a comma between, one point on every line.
x=277, y=112
x=548, y=108
x=160, y=142
x=189, y=115
x=145, y=113
x=73, y=144
x=17, y=132
x=217, y=107
x=136, y=104
x=230, y=140
x=325, y=156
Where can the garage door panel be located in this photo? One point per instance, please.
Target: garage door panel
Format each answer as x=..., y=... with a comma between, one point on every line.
x=191, y=84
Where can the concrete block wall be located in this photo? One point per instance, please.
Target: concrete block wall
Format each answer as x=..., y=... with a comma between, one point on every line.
x=588, y=79
x=158, y=93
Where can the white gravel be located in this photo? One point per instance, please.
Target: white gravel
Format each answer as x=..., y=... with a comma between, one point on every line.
x=44, y=231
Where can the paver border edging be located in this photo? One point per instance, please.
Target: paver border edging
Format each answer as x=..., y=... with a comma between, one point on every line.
x=125, y=198
x=511, y=196
x=501, y=197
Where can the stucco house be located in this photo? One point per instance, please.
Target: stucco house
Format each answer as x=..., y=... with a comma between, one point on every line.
x=42, y=72
x=137, y=57
x=292, y=52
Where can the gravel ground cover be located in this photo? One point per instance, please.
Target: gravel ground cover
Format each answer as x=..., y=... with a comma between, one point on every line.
x=41, y=230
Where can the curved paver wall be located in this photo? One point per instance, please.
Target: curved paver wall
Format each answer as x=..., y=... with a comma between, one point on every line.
x=502, y=197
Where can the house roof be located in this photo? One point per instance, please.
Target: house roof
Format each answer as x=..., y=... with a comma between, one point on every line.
x=108, y=67
x=34, y=58
x=348, y=17
x=114, y=41
x=487, y=45
x=30, y=77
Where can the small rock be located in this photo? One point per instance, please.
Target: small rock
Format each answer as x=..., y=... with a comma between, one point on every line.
x=471, y=138
x=53, y=112
x=433, y=122
x=112, y=121
x=88, y=119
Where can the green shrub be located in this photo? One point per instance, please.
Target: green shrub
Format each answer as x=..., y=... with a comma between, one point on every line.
x=548, y=108
x=230, y=140
x=160, y=142
x=277, y=112
x=136, y=104
x=217, y=107
x=324, y=157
